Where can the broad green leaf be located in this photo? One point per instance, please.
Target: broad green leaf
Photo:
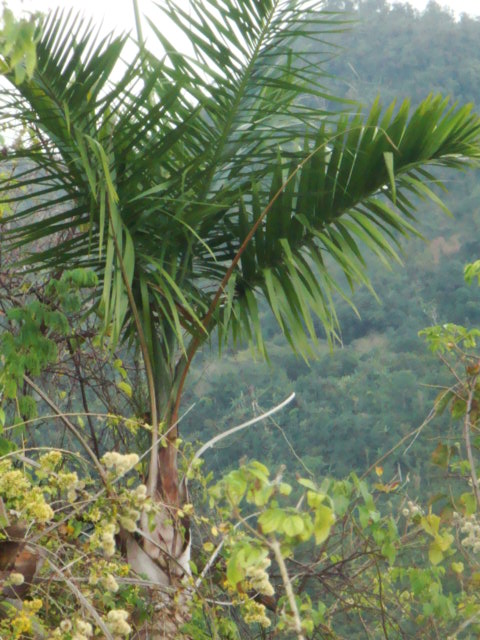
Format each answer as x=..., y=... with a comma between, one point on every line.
x=430, y=524
x=259, y=470
x=261, y=496
x=389, y=551
x=6, y=446
x=271, y=520
x=435, y=553
x=315, y=499
x=236, y=485
x=236, y=567
x=284, y=489
x=293, y=525
x=468, y=500
x=323, y=522
x=306, y=482
x=125, y=387
x=10, y=388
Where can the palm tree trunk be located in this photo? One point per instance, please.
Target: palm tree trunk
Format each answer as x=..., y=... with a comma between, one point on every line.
x=163, y=553
x=170, y=614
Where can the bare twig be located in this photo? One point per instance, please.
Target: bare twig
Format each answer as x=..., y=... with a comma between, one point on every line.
x=81, y=382
x=289, y=444
x=275, y=547
x=244, y=425
x=410, y=434
x=466, y=434
x=70, y=426
x=469, y=621
x=216, y=552
x=78, y=594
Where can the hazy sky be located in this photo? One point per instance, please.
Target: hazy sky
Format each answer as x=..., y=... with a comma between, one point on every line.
x=119, y=13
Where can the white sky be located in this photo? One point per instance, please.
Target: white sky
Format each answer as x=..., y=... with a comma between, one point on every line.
x=119, y=13
x=472, y=7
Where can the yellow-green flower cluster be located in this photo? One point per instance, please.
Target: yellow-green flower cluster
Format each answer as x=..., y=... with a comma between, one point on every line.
x=18, y=493
x=128, y=519
x=101, y=572
x=258, y=578
x=117, y=622
x=21, y=622
x=255, y=613
x=108, y=539
x=104, y=538
x=83, y=630
x=412, y=510
x=131, y=502
x=50, y=461
x=471, y=527
x=15, y=579
x=70, y=483
x=35, y=508
x=65, y=626
x=119, y=464
x=78, y=630
x=110, y=583
x=121, y=511
x=139, y=494
x=12, y=481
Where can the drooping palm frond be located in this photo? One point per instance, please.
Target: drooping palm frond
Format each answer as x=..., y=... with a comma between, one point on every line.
x=356, y=189
x=156, y=179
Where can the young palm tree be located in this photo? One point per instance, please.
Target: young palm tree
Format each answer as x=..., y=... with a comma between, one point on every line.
x=197, y=182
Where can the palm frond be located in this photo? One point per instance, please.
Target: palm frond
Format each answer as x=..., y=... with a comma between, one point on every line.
x=354, y=192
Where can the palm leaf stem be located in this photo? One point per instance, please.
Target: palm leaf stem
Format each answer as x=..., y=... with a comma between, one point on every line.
x=206, y=320
x=153, y=467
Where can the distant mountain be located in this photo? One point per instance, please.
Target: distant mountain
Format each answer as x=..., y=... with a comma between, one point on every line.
x=399, y=52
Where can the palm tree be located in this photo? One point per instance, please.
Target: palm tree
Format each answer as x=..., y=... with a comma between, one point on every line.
x=195, y=183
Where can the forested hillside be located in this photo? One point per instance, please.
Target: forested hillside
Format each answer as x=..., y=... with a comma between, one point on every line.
x=355, y=403
x=398, y=52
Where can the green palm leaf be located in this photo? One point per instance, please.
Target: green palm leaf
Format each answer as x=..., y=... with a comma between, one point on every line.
x=344, y=200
